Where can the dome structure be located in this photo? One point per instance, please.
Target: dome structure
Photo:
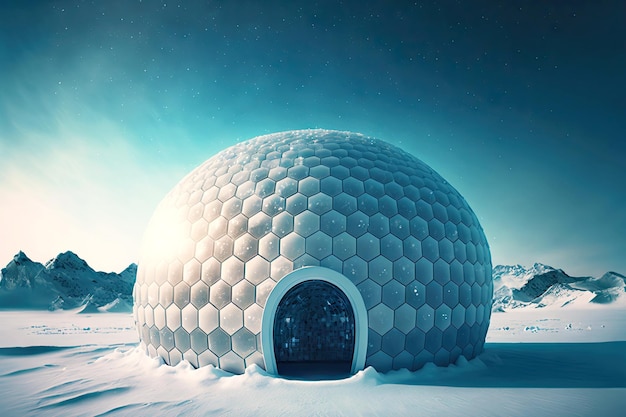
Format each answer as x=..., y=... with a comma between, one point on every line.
x=313, y=249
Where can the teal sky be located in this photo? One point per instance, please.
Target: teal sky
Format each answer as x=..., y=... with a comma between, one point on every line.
x=104, y=106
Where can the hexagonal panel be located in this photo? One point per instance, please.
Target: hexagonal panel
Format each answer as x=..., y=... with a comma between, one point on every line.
x=223, y=248
x=393, y=342
x=378, y=225
x=282, y=224
x=199, y=340
x=380, y=269
x=425, y=317
x=231, y=318
x=166, y=336
x=404, y=270
x=219, y=342
x=257, y=270
x=252, y=318
x=259, y=225
x=391, y=247
x=218, y=227
x=415, y=294
x=211, y=271
x=182, y=340
x=226, y=192
x=333, y=223
x=367, y=246
x=243, y=294
x=430, y=249
x=231, y=362
x=331, y=186
x=306, y=223
x=231, y=208
x=404, y=318
x=371, y=293
x=380, y=318
x=245, y=247
x=189, y=317
x=451, y=294
x=296, y=204
x=265, y=187
x=355, y=268
x=353, y=186
x=434, y=294
x=309, y=186
x=263, y=291
x=358, y=224
x=319, y=171
x=280, y=267
x=292, y=246
x=393, y=294
x=319, y=245
x=441, y=272
x=298, y=172
x=273, y=204
x=182, y=293
x=443, y=317
x=388, y=206
x=166, y=294
x=244, y=342
x=219, y=294
x=172, y=317
x=320, y=203
x=208, y=318
x=345, y=204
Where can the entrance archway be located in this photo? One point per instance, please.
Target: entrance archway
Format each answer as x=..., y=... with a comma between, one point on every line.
x=314, y=331
x=314, y=324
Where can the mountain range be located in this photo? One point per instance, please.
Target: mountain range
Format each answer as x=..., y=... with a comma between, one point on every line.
x=543, y=286
x=65, y=282
x=68, y=282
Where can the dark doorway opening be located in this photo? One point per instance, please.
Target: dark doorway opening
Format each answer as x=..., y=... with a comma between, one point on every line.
x=314, y=332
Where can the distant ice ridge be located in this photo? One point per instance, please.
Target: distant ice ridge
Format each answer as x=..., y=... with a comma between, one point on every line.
x=65, y=282
x=68, y=282
x=543, y=286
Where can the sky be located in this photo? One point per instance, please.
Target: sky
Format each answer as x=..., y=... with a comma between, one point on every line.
x=520, y=105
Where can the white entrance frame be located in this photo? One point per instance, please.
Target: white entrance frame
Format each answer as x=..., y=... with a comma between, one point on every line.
x=314, y=273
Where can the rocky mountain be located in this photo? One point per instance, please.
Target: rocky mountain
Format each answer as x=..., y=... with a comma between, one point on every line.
x=64, y=282
x=543, y=286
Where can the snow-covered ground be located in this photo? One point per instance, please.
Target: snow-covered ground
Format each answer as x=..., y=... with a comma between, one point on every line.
x=540, y=362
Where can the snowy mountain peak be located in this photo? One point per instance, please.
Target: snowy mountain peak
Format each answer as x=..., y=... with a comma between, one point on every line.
x=65, y=282
x=516, y=276
x=20, y=258
x=68, y=260
x=543, y=286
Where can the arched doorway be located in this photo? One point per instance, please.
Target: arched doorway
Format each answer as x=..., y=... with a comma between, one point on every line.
x=314, y=332
x=314, y=325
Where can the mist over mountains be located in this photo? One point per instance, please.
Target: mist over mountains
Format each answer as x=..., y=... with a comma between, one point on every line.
x=67, y=282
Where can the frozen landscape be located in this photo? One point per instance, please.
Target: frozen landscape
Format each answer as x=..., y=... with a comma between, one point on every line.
x=558, y=354
x=550, y=362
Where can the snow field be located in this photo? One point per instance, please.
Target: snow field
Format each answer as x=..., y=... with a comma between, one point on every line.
x=68, y=364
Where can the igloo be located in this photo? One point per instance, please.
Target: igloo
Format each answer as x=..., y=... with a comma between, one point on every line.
x=313, y=251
